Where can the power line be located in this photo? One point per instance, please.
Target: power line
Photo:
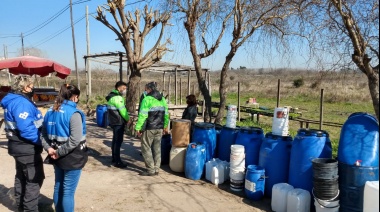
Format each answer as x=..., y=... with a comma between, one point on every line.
x=49, y=20
x=57, y=33
x=43, y=24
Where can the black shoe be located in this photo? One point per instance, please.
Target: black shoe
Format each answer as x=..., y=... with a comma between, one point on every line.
x=147, y=174
x=120, y=165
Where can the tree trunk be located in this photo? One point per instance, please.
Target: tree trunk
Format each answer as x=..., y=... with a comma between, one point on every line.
x=373, y=83
x=223, y=88
x=133, y=91
x=198, y=69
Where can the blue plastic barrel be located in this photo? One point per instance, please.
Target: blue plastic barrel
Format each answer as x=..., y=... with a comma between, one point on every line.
x=352, y=181
x=195, y=161
x=307, y=145
x=251, y=138
x=359, y=140
x=205, y=133
x=166, y=145
x=255, y=182
x=227, y=138
x=275, y=158
x=218, y=129
x=101, y=116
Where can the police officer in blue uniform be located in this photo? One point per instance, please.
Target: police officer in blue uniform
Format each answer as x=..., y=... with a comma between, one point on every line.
x=22, y=125
x=64, y=138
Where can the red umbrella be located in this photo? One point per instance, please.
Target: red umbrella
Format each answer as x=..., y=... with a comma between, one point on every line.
x=31, y=65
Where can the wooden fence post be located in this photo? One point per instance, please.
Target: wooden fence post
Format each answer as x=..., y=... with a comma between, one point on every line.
x=321, y=111
x=238, y=101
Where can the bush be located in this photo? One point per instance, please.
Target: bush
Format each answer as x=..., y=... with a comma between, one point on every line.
x=298, y=82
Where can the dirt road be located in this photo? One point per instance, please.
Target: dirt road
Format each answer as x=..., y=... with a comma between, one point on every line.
x=105, y=188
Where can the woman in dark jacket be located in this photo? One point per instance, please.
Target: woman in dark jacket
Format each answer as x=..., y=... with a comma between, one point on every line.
x=191, y=111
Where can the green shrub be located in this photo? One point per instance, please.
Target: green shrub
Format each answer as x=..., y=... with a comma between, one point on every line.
x=298, y=82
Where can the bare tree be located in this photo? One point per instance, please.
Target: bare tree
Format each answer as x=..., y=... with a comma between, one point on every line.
x=32, y=51
x=200, y=20
x=132, y=30
x=348, y=33
x=249, y=16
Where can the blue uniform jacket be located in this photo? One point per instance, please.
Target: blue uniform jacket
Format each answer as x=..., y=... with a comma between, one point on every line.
x=57, y=124
x=22, y=117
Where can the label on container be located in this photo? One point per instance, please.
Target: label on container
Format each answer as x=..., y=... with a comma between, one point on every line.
x=251, y=186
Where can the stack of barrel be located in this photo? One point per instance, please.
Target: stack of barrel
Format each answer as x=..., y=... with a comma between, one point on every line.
x=325, y=182
x=274, y=155
x=180, y=141
x=358, y=157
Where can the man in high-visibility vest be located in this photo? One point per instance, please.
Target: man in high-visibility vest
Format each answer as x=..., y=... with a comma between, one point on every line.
x=117, y=117
x=153, y=120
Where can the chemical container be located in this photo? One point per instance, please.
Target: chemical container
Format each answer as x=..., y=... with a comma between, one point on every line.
x=227, y=138
x=102, y=116
x=205, y=133
x=371, y=196
x=181, y=132
x=166, y=146
x=275, y=157
x=279, y=196
x=195, y=161
x=280, y=125
x=255, y=182
x=251, y=138
x=177, y=159
x=298, y=200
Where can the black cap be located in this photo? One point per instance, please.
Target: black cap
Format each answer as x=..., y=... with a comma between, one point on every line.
x=152, y=85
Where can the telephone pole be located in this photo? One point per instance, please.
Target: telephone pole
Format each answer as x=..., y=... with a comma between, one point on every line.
x=5, y=57
x=22, y=44
x=73, y=36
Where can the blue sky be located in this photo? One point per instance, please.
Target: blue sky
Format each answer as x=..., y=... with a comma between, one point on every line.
x=23, y=16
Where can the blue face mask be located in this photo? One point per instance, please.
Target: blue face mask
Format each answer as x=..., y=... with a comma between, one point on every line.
x=145, y=93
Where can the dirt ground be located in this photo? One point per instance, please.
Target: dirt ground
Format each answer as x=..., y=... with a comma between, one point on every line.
x=103, y=187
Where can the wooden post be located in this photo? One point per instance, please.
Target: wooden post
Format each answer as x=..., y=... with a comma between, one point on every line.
x=188, y=82
x=175, y=86
x=74, y=46
x=163, y=81
x=321, y=111
x=209, y=83
x=238, y=101
x=278, y=92
x=194, y=88
x=203, y=109
x=88, y=65
x=169, y=89
x=180, y=91
x=121, y=66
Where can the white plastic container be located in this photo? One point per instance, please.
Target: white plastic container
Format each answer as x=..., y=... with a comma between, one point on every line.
x=280, y=125
x=209, y=165
x=279, y=196
x=177, y=159
x=231, y=116
x=237, y=176
x=226, y=166
x=371, y=196
x=298, y=200
x=237, y=157
x=217, y=176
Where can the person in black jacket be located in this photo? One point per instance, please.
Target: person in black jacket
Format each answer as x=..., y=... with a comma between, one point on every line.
x=23, y=122
x=191, y=111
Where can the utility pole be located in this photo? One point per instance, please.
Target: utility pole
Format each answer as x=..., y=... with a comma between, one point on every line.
x=5, y=57
x=73, y=36
x=88, y=67
x=22, y=44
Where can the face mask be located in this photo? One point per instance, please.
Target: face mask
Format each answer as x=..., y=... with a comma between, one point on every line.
x=30, y=94
x=145, y=92
x=123, y=92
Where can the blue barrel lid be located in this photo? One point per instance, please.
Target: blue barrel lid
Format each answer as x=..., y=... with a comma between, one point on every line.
x=312, y=132
x=196, y=145
x=204, y=125
x=251, y=130
x=218, y=126
x=272, y=136
x=363, y=114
